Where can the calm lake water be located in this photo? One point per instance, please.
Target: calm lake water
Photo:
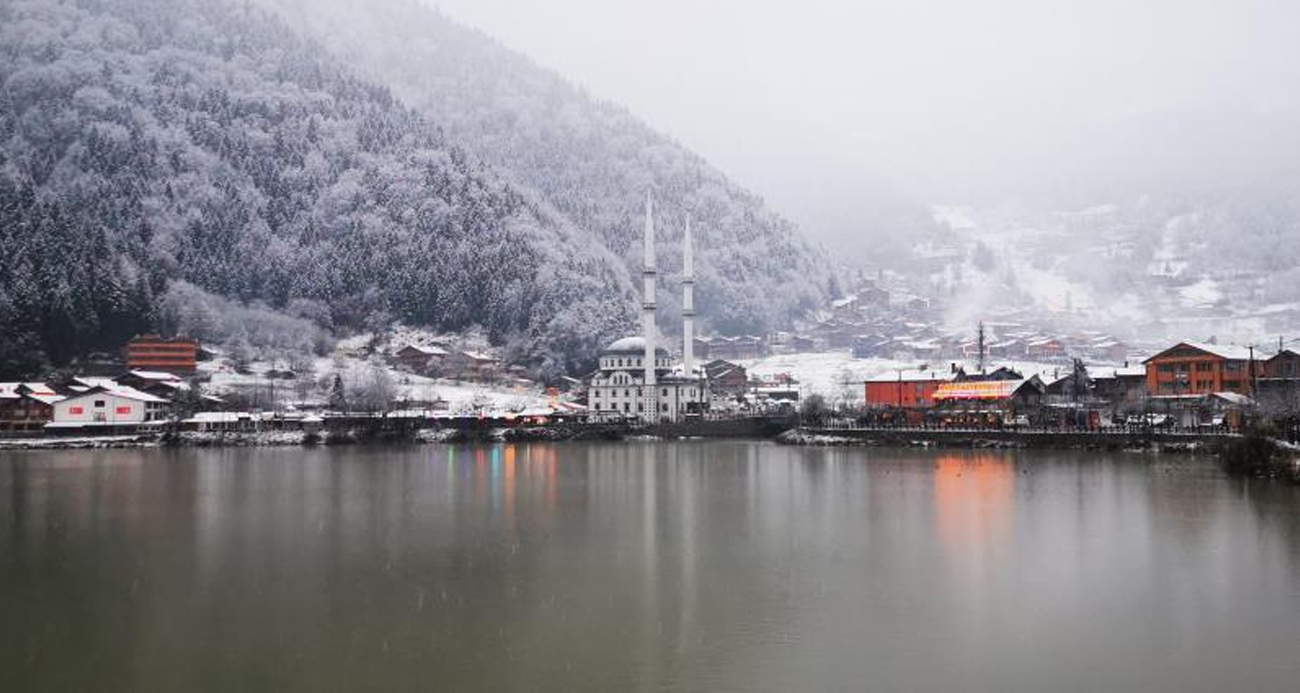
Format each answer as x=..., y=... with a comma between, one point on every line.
x=695, y=566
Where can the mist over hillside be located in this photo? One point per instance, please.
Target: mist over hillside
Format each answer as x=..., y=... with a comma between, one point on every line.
x=592, y=160
x=150, y=141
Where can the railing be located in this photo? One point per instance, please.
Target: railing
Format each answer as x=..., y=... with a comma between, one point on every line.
x=1124, y=429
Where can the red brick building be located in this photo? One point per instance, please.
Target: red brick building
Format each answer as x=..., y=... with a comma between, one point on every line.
x=1190, y=369
x=153, y=353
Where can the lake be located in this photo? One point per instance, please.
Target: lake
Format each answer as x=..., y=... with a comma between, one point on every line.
x=639, y=566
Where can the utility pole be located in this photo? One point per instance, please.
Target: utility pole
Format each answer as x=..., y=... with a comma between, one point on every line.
x=981, y=347
x=1254, y=384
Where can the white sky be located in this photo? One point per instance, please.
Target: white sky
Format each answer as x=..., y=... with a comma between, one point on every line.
x=811, y=101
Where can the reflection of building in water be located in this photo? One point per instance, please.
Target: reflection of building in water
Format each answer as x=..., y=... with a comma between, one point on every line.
x=973, y=499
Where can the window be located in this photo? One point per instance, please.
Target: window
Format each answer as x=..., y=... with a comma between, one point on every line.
x=99, y=404
x=1204, y=366
x=1166, y=368
x=1233, y=367
x=665, y=392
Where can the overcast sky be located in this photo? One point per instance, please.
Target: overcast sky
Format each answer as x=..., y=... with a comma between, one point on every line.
x=810, y=101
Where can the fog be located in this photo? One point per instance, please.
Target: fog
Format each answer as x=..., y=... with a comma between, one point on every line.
x=833, y=109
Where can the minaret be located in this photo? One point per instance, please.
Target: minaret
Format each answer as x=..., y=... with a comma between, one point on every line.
x=648, y=316
x=688, y=303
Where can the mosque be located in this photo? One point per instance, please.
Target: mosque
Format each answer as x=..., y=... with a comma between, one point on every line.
x=637, y=378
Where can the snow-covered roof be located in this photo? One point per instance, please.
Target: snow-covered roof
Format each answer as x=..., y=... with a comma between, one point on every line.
x=1123, y=372
x=218, y=417
x=121, y=391
x=156, y=375
x=37, y=391
x=426, y=350
x=632, y=345
x=1235, y=398
x=1230, y=352
x=912, y=376
x=480, y=356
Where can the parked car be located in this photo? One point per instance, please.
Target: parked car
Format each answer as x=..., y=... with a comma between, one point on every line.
x=1018, y=421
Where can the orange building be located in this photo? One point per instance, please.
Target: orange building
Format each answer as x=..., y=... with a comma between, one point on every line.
x=153, y=353
x=906, y=389
x=1190, y=370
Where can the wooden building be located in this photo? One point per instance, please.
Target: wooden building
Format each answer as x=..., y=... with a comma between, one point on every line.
x=726, y=379
x=1191, y=369
x=26, y=407
x=420, y=358
x=914, y=389
x=151, y=352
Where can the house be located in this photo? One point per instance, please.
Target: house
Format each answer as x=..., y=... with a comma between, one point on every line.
x=1122, y=388
x=26, y=407
x=907, y=389
x=1279, y=386
x=870, y=346
x=1106, y=350
x=1045, y=349
x=474, y=366
x=1190, y=369
x=731, y=348
x=105, y=407
x=151, y=352
x=726, y=379
x=420, y=358
x=222, y=422
x=158, y=383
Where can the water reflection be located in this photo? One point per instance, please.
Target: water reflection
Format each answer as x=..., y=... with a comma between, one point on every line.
x=691, y=566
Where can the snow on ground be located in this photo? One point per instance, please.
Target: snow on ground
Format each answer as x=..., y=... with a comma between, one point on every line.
x=347, y=362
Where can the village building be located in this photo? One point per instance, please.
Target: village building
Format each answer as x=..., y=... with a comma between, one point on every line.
x=1123, y=388
x=1278, y=388
x=726, y=379
x=418, y=358
x=151, y=352
x=906, y=389
x=1190, y=369
x=472, y=366
x=26, y=407
x=105, y=407
x=732, y=348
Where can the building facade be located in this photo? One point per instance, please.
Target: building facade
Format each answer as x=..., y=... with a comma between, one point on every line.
x=108, y=407
x=26, y=407
x=151, y=352
x=636, y=378
x=906, y=389
x=1190, y=369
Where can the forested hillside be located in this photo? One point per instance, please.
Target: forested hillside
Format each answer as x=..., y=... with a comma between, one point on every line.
x=144, y=142
x=592, y=160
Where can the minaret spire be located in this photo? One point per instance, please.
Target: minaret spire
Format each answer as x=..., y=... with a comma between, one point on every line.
x=688, y=302
x=650, y=385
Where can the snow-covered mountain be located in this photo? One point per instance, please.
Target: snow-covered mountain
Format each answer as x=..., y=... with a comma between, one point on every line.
x=146, y=144
x=592, y=160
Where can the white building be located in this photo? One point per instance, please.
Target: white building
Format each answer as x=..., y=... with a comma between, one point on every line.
x=636, y=378
x=107, y=407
